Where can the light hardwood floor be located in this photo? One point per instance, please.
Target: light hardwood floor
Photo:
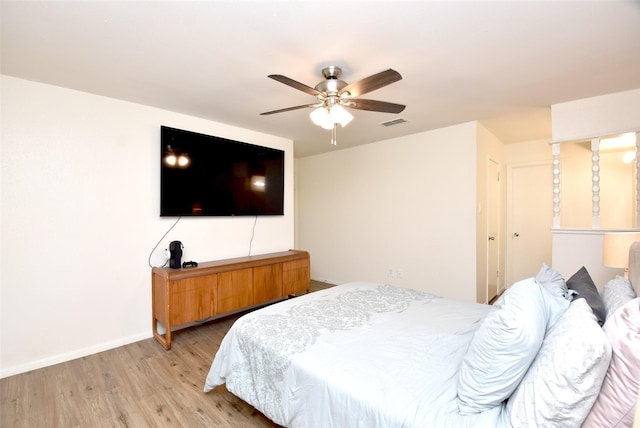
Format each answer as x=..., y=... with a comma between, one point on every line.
x=137, y=385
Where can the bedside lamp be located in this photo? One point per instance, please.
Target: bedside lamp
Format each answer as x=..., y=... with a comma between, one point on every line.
x=615, y=249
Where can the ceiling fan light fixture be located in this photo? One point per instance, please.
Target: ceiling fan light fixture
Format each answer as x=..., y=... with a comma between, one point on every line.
x=322, y=118
x=340, y=115
x=326, y=117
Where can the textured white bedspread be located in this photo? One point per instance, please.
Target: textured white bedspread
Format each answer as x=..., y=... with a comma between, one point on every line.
x=355, y=355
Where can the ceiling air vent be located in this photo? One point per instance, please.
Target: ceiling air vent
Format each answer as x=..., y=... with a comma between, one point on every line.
x=394, y=122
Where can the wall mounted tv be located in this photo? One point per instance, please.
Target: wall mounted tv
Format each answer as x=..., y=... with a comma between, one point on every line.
x=202, y=175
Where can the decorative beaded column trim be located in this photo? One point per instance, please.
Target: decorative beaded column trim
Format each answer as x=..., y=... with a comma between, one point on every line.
x=555, y=151
x=637, y=225
x=595, y=180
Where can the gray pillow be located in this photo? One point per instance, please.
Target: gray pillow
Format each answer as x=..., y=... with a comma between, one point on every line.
x=582, y=283
x=616, y=293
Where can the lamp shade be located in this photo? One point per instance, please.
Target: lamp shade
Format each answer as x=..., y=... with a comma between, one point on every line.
x=326, y=117
x=322, y=118
x=340, y=115
x=615, y=251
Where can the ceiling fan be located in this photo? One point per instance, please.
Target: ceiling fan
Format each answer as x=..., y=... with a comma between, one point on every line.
x=334, y=94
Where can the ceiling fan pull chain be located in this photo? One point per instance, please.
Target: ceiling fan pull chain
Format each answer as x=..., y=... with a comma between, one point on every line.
x=333, y=135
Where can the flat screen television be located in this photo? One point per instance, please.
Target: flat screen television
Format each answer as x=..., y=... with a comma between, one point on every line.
x=203, y=175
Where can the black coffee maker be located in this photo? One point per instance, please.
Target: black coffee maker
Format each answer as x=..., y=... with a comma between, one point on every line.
x=175, y=249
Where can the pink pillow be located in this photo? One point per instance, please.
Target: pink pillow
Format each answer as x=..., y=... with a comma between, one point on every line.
x=615, y=406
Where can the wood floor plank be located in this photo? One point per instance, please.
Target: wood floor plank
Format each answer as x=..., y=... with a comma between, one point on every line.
x=137, y=385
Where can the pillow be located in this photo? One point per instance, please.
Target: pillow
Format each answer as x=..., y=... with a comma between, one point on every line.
x=582, y=283
x=504, y=345
x=617, y=293
x=565, y=377
x=554, y=283
x=634, y=266
x=616, y=403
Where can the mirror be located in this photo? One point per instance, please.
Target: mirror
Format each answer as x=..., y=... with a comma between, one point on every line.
x=618, y=182
x=598, y=187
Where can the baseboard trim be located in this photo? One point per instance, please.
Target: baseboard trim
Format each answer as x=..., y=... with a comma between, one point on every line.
x=328, y=281
x=79, y=353
x=68, y=356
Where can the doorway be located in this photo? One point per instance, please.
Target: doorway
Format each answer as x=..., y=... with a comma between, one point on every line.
x=529, y=219
x=493, y=229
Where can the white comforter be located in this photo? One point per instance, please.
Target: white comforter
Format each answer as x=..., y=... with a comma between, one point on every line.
x=355, y=355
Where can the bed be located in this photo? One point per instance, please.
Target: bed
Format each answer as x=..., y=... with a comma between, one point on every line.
x=549, y=352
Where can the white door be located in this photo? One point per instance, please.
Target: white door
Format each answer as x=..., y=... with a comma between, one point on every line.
x=529, y=219
x=493, y=229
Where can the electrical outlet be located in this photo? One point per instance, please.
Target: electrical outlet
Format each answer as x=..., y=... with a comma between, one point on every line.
x=167, y=254
x=390, y=272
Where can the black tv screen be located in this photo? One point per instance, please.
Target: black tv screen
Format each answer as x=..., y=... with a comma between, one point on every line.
x=202, y=175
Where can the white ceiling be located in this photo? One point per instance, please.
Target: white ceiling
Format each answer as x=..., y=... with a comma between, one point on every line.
x=501, y=62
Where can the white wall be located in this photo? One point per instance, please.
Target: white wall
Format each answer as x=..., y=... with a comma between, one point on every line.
x=596, y=116
x=527, y=152
x=573, y=249
x=408, y=203
x=80, y=217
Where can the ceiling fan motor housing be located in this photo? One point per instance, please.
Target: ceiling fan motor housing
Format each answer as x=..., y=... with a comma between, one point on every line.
x=332, y=85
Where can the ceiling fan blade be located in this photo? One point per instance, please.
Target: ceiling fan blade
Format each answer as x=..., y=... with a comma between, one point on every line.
x=372, y=83
x=289, y=109
x=373, y=105
x=295, y=84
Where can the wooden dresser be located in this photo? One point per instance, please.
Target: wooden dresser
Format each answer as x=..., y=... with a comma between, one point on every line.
x=182, y=296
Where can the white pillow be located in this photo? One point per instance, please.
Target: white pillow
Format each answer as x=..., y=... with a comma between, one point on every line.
x=616, y=293
x=565, y=377
x=617, y=400
x=505, y=344
x=554, y=283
